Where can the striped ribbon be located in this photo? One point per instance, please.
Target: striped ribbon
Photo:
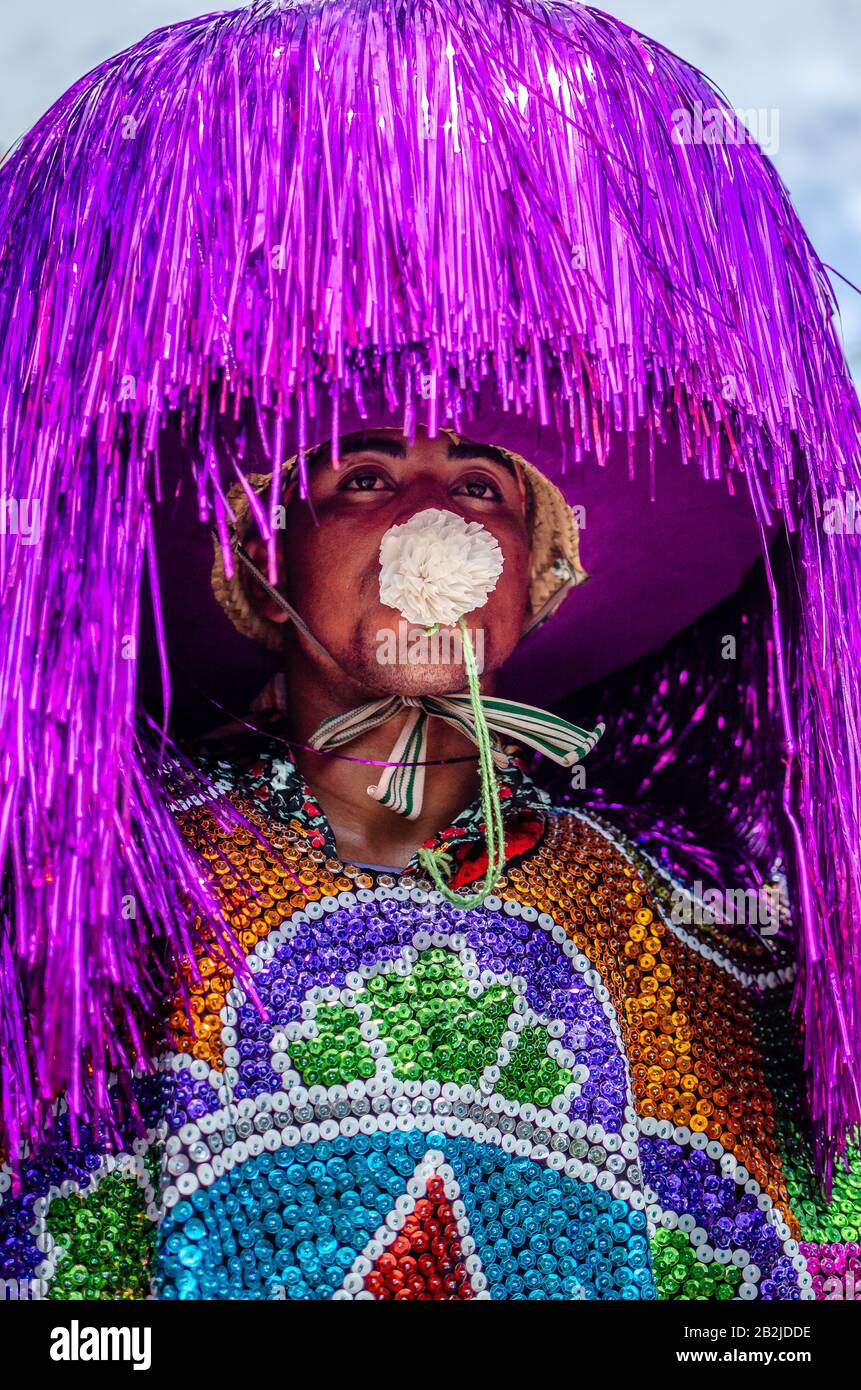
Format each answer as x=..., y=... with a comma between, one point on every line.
x=401, y=787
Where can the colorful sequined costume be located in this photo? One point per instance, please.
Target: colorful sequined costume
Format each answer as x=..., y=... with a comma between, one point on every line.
x=559, y=1095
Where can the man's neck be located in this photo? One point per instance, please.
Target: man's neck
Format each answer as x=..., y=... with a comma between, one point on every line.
x=363, y=829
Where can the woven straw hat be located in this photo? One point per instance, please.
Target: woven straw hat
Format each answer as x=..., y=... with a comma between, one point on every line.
x=554, y=546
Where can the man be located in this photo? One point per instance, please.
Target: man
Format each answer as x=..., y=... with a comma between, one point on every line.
x=403, y=1099
x=362, y=644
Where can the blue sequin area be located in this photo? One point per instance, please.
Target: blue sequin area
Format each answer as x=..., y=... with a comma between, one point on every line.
x=292, y=1224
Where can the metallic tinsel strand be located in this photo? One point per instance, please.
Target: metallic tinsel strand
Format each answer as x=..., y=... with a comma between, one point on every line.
x=298, y=205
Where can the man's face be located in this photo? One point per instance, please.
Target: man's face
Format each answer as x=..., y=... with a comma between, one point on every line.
x=333, y=566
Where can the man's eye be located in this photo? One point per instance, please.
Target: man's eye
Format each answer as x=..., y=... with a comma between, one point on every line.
x=481, y=488
x=366, y=480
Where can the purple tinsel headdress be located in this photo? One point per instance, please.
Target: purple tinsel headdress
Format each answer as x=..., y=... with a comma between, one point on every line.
x=282, y=210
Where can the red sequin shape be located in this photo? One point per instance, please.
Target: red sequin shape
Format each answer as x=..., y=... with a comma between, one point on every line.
x=425, y=1260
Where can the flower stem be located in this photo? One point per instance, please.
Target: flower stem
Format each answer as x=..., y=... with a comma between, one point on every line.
x=490, y=803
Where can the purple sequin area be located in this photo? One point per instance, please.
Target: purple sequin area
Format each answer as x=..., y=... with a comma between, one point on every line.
x=687, y=1181
x=324, y=952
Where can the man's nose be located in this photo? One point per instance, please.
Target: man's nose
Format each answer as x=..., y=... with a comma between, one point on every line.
x=425, y=491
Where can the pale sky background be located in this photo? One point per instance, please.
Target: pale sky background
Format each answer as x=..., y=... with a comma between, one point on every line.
x=798, y=58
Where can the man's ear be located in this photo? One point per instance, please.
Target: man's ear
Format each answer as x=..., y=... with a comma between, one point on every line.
x=260, y=601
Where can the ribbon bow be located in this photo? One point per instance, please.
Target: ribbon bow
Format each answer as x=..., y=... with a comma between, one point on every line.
x=401, y=786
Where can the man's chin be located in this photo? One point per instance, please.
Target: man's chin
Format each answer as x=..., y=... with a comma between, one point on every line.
x=418, y=680
x=407, y=660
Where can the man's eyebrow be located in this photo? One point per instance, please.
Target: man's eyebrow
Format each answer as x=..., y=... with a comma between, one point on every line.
x=396, y=448
x=377, y=444
x=464, y=449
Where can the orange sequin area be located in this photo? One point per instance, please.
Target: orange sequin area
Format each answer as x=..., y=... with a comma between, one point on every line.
x=688, y=1026
x=257, y=885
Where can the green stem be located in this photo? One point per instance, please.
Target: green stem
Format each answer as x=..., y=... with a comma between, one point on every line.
x=490, y=803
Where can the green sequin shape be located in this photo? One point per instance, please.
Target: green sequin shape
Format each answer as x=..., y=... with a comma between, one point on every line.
x=338, y=1054
x=531, y=1076
x=679, y=1275
x=434, y=1030
x=107, y=1240
x=836, y=1220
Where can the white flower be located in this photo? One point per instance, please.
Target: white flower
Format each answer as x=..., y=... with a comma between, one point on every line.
x=436, y=567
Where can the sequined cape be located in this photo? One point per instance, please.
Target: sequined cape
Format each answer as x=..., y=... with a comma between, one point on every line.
x=564, y=1094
